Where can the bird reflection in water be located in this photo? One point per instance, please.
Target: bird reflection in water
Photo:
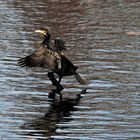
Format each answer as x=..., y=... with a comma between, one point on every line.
x=46, y=126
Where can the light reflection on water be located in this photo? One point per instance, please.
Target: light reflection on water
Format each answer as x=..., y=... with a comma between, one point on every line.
x=96, y=33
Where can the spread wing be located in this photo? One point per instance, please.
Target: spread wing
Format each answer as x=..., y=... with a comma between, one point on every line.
x=36, y=59
x=59, y=45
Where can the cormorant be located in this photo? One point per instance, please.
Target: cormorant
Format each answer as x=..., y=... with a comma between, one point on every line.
x=52, y=59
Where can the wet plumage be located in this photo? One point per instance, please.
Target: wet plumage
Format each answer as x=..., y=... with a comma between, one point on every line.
x=59, y=45
x=45, y=57
x=53, y=59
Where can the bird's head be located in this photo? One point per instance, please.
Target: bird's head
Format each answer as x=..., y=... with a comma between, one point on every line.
x=46, y=32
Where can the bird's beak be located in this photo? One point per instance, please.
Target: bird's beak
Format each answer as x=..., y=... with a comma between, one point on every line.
x=41, y=32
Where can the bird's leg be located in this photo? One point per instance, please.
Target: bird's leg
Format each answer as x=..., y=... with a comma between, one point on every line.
x=56, y=83
x=52, y=95
x=59, y=79
x=52, y=78
x=58, y=90
x=60, y=96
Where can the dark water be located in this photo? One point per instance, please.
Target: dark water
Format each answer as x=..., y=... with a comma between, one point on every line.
x=103, y=39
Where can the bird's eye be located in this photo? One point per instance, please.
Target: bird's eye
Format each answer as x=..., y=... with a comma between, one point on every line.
x=45, y=33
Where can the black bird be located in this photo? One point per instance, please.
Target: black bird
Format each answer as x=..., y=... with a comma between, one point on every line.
x=52, y=59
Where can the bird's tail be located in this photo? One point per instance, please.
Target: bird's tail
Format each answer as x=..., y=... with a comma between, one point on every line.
x=80, y=79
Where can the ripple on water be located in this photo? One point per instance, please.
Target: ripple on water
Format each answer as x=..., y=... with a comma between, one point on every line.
x=99, y=42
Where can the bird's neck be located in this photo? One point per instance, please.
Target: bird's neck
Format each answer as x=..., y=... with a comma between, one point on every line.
x=46, y=40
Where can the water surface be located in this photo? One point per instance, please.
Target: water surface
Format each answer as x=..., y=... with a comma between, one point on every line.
x=103, y=40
